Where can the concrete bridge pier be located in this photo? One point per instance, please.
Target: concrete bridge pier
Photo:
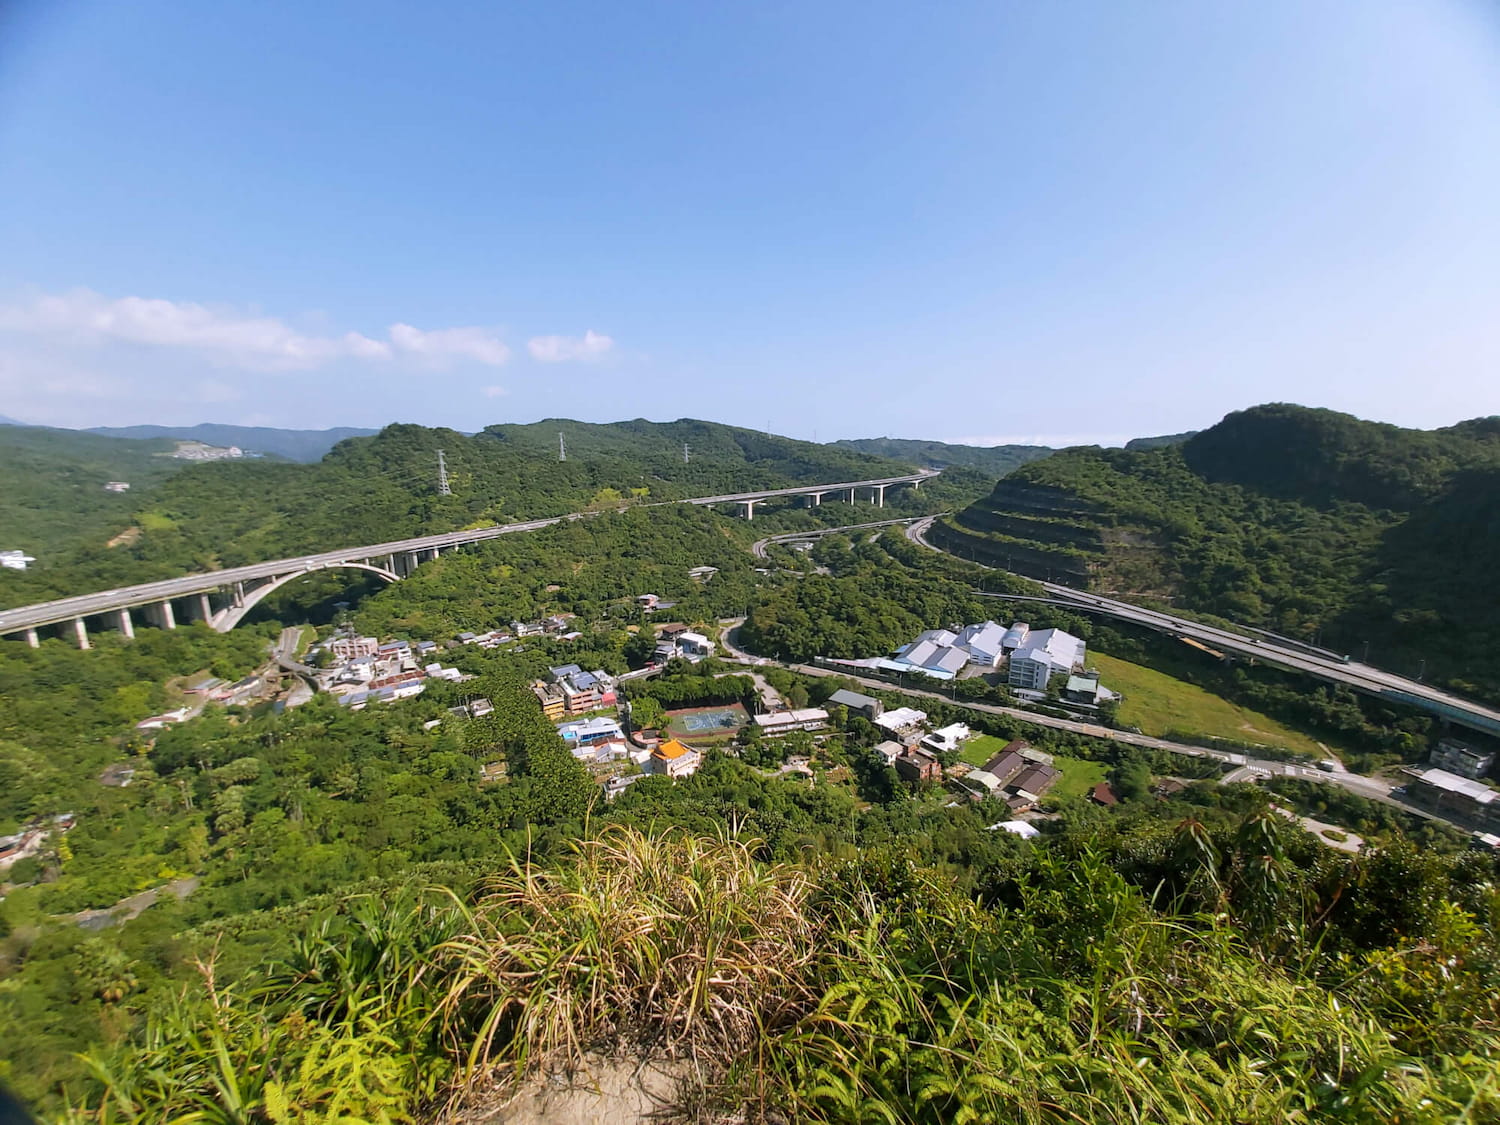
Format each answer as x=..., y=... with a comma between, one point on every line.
x=81, y=634
x=877, y=493
x=127, y=626
x=749, y=507
x=814, y=499
x=32, y=639
x=163, y=615
x=205, y=608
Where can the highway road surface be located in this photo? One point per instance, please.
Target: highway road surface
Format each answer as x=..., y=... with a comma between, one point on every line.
x=1269, y=649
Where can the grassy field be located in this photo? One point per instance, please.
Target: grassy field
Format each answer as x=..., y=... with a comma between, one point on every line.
x=981, y=749
x=1158, y=704
x=1078, y=777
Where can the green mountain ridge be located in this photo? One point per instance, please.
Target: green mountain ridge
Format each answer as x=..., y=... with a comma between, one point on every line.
x=995, y=460
x=1310, y=522
x=371, y=489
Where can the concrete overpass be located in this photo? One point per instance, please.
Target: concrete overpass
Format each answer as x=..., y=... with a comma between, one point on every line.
x=223, y=597
x=1268, y=648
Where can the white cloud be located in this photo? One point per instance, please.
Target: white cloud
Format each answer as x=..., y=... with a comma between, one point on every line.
x=560, y=349
x=477, y=344
x=493, y=391
x=233, y=337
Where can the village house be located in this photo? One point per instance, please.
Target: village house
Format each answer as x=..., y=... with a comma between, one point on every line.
x=673, y=759
x=917, y=765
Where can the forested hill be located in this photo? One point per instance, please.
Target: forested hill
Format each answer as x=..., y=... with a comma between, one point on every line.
x=367, y=490
x=52, y=494
x=1310, y=522
x=995, y=460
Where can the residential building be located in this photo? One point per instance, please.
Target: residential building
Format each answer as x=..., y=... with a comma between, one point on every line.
x=550, y=696
x=865, y=705
x=117, y=486
x=890, y=751
x=647, y=601
x=903, y=722
x=702, y=573
x=1005, y=765
x=694, y=645
x=1043, y=654
x=587, y=732
x=1034, y=781
x=673, y=759
x=917, y=765
x=347, y=648
x=1102, y=794
x=948, y=739
x=1461, y=758
x=479, y=707
x=15, y=560
x=784, y=722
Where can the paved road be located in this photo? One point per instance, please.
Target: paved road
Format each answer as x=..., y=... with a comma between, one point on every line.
x=760, y=545
x=148, y=593
x=1269, y=649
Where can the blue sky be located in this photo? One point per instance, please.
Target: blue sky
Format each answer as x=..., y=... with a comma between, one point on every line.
x=1027, y=221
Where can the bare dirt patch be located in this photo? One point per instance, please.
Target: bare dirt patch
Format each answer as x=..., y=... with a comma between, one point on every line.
x=605, y=1091
x=125, y=538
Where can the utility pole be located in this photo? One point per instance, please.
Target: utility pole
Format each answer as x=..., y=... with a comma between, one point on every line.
x=443, y=488
x=562, y=447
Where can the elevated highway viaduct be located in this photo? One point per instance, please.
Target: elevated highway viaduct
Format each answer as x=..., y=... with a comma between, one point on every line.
x=223, y=597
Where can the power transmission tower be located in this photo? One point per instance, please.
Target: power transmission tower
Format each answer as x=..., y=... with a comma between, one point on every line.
x=562, y=448
x=685, y=453
x=443, y=487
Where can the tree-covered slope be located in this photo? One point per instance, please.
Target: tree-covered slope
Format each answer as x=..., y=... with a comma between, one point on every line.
x=52, y=495
x=367, y=490
x=996, y=460
x=1310, y=522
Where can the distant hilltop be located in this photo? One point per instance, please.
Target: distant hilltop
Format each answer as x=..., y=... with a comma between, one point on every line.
x=294, y=445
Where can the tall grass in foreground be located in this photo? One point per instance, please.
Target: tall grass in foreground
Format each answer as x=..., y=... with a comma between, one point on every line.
x=853, y=992
x=690, y=947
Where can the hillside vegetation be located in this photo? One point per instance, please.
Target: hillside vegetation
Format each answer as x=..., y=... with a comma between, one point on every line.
x=52, y=496
x=995, y=460
x=1308, y=522
x=368, y=490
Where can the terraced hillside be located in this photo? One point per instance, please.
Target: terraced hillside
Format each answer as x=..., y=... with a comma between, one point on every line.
x=1310, y=522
